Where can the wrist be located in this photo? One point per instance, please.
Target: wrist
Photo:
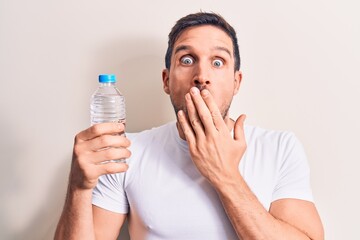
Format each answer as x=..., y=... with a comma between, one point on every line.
x=79, y=190
x=227, y=180
x=79, y=182
x=75, y=192
x=235, y=187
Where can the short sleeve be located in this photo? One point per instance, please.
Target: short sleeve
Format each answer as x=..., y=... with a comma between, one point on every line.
x=294, y=173
x=109, y=193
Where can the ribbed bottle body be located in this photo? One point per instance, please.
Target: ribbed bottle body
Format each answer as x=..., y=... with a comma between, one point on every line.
x=107, y=105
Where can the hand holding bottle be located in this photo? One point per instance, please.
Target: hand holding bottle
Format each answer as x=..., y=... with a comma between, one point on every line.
x=94, y=146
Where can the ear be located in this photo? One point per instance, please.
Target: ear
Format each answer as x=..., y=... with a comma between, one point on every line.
x=165, y=78
x=237, y=81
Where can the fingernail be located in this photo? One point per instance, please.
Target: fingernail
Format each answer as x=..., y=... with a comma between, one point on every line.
x=194, y=90
x=187, y=96
x=204, y=92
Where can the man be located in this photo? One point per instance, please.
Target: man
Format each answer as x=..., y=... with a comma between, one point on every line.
x=203, y=177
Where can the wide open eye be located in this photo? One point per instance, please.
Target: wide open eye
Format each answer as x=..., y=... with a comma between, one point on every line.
x=187, y=60
x=218, y=63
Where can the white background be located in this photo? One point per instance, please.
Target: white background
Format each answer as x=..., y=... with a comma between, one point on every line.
x=300, y=61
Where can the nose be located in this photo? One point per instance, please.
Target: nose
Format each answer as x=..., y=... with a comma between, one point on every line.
x=201, y=76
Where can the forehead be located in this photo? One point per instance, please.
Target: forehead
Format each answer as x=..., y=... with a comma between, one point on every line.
x=204, y=36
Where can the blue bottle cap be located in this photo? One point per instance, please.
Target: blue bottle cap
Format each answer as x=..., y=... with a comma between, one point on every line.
x=107, y=78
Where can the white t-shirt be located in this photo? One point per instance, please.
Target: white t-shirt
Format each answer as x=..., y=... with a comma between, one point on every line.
x=166, y=197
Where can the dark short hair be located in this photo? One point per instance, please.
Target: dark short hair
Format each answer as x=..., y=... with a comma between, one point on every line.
x=198, y=19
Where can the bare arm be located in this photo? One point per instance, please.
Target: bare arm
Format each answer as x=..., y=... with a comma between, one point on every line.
x=107, y=224
x=79, y=219
x=217, y=156
x=287, y=218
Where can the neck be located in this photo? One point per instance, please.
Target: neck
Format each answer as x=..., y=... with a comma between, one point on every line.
x=228, y=121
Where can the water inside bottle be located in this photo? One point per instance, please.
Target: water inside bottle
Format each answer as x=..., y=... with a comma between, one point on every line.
x=108, y=105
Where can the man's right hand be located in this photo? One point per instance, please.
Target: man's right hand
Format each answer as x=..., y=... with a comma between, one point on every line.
x=99, y=143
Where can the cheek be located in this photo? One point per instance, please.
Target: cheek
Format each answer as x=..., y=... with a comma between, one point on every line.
x=180, y=78
x=182, y=73
x=223, y=93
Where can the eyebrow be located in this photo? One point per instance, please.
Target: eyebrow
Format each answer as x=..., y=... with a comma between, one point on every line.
x=187, y=47
x=223, y=49
x=181, y=48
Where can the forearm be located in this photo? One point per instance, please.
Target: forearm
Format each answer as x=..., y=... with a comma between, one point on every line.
x=76, y=221
x=247, y=215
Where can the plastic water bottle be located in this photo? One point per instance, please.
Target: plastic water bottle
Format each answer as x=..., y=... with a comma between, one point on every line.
x=107, y=104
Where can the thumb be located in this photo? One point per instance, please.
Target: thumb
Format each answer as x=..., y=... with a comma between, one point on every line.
x=239, y=128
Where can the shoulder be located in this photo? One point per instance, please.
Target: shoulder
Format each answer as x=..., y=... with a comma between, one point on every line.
x=258, y=134
x=279, y=143
x=262, y=133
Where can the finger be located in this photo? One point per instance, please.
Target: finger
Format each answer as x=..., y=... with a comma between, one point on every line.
x=100, y=129
x=111, y=168
x=215, y=114
x=202, y=109
x=193, y=116
x=186, y=128
x=239, y=134
x=104, y=141
x=108, y=154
